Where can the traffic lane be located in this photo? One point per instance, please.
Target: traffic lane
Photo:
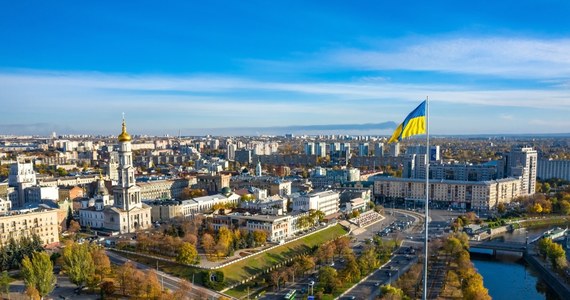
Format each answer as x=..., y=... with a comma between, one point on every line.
x=384, y=275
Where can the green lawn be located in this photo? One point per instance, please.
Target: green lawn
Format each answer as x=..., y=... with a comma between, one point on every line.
x=257, y=263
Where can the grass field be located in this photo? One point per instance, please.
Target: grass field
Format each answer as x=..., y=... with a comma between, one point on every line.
x=246, y=268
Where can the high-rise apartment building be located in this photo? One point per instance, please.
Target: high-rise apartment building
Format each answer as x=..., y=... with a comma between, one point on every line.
x=310, y=148
x=321, y=149
x=379, y=149
x=520, y=162
x=394, y=150
x=363, y=149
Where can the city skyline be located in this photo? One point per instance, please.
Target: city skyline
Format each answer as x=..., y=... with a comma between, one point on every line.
x=191, y=68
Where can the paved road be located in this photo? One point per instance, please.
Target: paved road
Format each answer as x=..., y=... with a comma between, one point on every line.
x=168, y=281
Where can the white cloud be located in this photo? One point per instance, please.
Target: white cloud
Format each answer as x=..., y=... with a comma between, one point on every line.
x=500, y=56
x=221, y=101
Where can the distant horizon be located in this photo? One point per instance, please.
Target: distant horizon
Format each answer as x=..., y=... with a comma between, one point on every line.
x=75, y=67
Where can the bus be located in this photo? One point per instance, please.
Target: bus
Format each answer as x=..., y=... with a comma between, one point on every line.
x=290, y=295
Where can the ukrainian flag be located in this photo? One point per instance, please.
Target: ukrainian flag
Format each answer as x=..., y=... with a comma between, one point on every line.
x=415, y=123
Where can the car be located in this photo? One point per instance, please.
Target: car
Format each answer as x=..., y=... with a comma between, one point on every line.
x=377, y=283
x=312, y=282
x=332, y=264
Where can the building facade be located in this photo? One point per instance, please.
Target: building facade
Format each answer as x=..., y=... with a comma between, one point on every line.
x=43, y=223
x=466, y=194
x=326, y=201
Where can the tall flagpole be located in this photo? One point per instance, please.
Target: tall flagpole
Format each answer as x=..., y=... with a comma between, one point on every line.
x=428, y=156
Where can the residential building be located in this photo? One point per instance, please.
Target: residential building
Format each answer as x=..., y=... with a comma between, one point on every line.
x=520, y=162
x=547, y=169
x=42, y=222
x=212, y=183
x=466, y=194
x=394, y=150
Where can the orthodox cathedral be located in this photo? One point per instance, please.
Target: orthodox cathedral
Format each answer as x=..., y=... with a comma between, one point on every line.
x=125, y=212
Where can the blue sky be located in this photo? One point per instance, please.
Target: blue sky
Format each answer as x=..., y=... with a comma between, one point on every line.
x=195, y=66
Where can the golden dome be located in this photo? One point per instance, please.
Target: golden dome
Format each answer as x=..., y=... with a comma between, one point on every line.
x=124, y=136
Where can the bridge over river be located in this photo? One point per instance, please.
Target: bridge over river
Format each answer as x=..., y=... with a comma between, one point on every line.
x=499, y=246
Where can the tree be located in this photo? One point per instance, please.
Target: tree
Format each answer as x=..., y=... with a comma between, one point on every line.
x=5, y=283
x=536, y=208
x=328, y=279
x=392, y=292
x=306, y=263
x=565, y=207
x=187, y=254
x=101, y=264
x=351, y=271
x=152, y=287
x=38, y=273
x=325, y=253
x=342, y=246
x=184, y=288
x=125, y=276
x=78, y=263
x=225, y=240
x=33, y=293
x=69, y=217
x=275, y=278
x=74, y=226
x=501, y=208
x=107, y=288
x=208, y=242
x=556, y=254
x=260, y=237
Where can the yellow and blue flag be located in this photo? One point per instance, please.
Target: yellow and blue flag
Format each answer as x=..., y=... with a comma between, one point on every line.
x=415, y=123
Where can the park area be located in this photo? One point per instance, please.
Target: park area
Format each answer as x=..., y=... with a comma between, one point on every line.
x=255, y=264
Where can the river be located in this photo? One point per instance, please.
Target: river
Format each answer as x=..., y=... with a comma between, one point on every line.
x=507, y=276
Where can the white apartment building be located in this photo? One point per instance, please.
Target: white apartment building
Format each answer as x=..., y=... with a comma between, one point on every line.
x=547, y=169
x=325, y=201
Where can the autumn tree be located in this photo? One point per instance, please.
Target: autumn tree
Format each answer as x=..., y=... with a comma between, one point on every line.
x=260, y=237
x=184, y=288
x=187, y=254
x=325, y=253
x=152, y=287
x=351, y=271
x=107, y=288
x=391, y=292
x=101, y=265
x=564, y=206
x=78, y=263
x=306, y=263
x=342, y=246
x=328, y=279
x=224, y=243
x=124, y=276
x=208, y=242
x=74, y=227
x=275, y=278
x=37, y=272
